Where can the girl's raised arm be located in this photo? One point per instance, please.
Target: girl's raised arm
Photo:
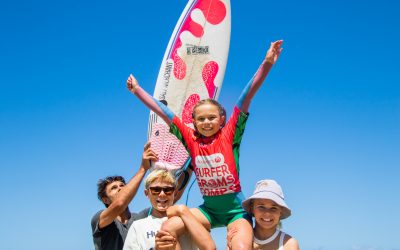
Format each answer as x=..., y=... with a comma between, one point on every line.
x=156, y=106
x=259, y=77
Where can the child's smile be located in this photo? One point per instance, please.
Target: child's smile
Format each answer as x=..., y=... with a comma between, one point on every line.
x=207, y=119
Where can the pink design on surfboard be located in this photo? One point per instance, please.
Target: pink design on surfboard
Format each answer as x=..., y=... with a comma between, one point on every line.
x=214, y=12
x=172, y=153
x=215, y=9
x=179, y=64
x=188, y=108
x=209, y=73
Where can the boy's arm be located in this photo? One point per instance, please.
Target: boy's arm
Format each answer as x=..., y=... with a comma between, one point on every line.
x=156, y=106
x=127, y=193
x=164, y=240
x=259, y=77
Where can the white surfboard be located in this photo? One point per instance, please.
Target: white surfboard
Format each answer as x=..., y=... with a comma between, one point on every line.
x=192, y=69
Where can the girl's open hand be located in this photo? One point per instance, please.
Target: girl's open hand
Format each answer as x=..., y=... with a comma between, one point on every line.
x=274, y=51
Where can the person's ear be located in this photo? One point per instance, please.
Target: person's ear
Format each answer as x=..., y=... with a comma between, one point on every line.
x=252, y=209
x=194, y=124
x=175, y=193
x=106, y=200
x=222, y=121
x=146, y=192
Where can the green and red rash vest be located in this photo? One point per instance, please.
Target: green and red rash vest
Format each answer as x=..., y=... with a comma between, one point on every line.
x=215, y=159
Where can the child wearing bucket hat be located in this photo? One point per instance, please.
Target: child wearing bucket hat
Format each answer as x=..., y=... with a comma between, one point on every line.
x=268, y=206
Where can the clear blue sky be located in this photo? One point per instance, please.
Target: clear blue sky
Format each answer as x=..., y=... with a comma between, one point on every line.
x=325, y=125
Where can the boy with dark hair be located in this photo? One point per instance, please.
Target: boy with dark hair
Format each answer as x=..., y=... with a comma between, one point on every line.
x=110, y=226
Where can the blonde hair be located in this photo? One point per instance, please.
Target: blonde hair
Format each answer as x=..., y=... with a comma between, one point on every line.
x=162, y=175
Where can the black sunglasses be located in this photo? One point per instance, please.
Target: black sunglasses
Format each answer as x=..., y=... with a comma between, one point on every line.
x=157, y=190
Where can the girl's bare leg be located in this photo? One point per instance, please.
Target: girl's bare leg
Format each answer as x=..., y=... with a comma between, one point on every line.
x=243, y=237
x=176, y=227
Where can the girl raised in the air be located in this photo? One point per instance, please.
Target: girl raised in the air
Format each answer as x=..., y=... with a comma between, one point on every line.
x=213, y=145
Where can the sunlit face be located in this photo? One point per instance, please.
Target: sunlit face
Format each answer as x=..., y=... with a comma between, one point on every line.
x=112, y=190
x=267, y=213
x=207, y=119
x=161, y=195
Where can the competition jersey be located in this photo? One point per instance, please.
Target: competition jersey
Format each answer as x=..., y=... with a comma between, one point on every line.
x=215, y=159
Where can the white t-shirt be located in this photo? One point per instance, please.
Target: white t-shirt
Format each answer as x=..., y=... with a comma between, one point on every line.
x=142, y=235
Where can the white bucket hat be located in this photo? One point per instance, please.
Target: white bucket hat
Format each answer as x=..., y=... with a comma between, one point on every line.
x=270, y=190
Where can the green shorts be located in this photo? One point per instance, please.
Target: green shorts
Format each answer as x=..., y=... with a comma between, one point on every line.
x=224, y=209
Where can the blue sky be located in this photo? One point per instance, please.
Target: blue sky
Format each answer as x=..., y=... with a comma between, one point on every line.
x=325, y=125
